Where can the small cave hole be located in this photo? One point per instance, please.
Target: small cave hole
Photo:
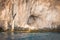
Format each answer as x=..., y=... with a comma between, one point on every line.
x=31, y=19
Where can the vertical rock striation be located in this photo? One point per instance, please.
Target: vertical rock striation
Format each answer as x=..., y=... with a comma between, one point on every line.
x=32, y=14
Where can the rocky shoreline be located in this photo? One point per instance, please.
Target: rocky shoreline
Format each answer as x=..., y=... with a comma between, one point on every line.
x=19, y=29
x=30, y=15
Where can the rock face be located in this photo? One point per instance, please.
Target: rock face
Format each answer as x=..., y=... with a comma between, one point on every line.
x=32, y=14
x=5, y=13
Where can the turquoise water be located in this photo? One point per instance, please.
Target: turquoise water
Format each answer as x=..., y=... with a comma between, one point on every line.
x=29, y=36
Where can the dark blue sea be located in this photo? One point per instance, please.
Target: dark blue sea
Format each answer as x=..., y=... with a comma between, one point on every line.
x=29, y=36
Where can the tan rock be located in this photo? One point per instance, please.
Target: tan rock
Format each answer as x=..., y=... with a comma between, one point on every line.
x=32, y=14
x=38, y=14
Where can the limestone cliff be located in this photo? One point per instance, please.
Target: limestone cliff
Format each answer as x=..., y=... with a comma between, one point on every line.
x=32, y=14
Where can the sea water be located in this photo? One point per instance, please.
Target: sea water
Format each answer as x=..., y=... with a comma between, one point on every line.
x=29, y=36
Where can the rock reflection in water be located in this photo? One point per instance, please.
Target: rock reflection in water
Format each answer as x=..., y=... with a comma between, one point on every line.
x=29, y=36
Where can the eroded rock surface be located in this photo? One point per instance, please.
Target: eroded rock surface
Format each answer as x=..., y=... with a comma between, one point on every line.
x=32, y=14
x=38, y=14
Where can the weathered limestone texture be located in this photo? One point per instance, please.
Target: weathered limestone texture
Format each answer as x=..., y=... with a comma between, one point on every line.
x=32, y=14
x=38, y=14
x=5, y=13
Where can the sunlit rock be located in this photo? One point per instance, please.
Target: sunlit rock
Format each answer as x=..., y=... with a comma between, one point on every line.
x=31, y=14
x=5, y=13
x=38, y=14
